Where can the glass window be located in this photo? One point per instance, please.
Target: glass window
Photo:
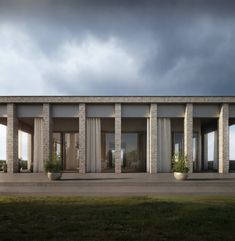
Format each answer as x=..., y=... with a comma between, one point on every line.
x=211, y=140
x=57, y=144
x=3, y=138
x=195, y=151
x=134, y=152
x=66, y=146
x=107, y=152
x=210, y=151
x=178, y=143
x=232, y=147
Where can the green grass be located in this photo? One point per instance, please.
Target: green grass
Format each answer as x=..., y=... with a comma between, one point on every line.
x=126, y=218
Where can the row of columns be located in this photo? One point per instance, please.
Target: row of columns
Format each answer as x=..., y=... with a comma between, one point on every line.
x=223, y=130
x=12, y=137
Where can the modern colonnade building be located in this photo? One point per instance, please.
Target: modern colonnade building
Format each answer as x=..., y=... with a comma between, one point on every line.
x=121, y=133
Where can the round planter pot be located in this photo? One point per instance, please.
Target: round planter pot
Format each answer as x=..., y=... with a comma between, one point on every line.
x=54, y=175
x=180, y=176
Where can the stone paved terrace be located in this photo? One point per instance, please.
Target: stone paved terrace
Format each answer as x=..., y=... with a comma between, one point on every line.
x=136, y=184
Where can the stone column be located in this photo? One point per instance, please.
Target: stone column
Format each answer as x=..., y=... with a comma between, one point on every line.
x=118, y=138
x=12, y=139
x=153, y=139
x=47, y=132
x=30, y=149
x=188, y=135
x=224, y=139
x=82, y=138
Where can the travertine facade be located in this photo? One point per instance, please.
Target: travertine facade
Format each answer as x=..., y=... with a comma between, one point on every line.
x=82, y=138
x=224, y=139
x=225, y=105
x=12, y=139
x=153, y=138
x=118, y=139
x=188, y=135
x=47, y=132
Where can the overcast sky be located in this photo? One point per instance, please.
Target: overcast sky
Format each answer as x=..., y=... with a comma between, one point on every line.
x=117, y=47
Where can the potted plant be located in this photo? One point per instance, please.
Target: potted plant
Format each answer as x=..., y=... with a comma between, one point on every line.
x=180, y=166
x=4, y=166
x=53, y=167
x=22, y=165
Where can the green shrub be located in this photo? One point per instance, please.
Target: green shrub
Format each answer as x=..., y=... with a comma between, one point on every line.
x=180, y=163
x=2, y=162
x=53, y=164
x=3, y=165
x=23, y=164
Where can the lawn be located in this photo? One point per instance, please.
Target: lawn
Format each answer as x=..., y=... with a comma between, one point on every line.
x=113, y=218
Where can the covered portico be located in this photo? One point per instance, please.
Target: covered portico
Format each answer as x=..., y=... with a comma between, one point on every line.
x=117, y=134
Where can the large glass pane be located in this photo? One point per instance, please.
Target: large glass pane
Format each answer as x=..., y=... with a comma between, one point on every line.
x=107, y=152
x=178, y=146
x=210, y=153
x=23, y=150
x=3, y=132
x=107, y=145
x=133, y=152
x=232, y=147
x=57, y=144
x=178, y=143
x=66, y=146
x=195, y=152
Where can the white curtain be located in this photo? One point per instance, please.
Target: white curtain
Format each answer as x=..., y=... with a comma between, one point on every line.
x=20, y=144
x=38, y=164
x=93, y=145
x=208, y=140
x=29, y=150
x=215, y=164
x=205, y=167
x=200, y=151
x=71, y=152
x=148, y=145
x=164, y=145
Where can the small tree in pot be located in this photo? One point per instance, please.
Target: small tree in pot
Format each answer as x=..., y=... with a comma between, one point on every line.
x=4, y=166
x=180, y=166
x=53, y=167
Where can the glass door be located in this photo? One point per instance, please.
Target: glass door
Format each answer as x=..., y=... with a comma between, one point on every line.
x=178, y=146
x=195, y=152
x=66, y=146
x=107, y=152
x=178, y=143
x=133, y=152
x=58, y=145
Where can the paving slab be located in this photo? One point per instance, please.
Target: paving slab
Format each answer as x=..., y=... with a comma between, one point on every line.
x=111, y=184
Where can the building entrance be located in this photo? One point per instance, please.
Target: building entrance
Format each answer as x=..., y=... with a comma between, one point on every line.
x=66, y=147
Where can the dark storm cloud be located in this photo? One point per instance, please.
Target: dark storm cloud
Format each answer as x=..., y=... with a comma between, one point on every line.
x=119, y=47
